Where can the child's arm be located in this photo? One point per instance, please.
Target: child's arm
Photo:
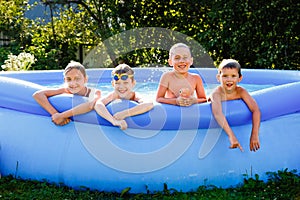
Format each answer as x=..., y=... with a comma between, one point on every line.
x=216, y=104
x=136, y=110
x=41, y=98
x=162, y=90
x=100, y=108
x=160, y=96
x=253, y=107
x=82, y=108
x=200, y=92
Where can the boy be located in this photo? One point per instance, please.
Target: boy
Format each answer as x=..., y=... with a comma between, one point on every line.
x=123, y=83
x=171, y=83
x=229, y=74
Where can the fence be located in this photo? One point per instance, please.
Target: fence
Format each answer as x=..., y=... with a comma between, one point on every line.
x=4, y=40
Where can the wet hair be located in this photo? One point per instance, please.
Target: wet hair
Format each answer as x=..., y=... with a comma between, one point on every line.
x=171, y=52
x=75, y=65
x=121, y=69
x=230, y=63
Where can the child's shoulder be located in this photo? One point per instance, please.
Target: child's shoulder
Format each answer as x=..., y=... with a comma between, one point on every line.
x=167, y=76
x=194, y=74
x=168, y=73
x=241, y=89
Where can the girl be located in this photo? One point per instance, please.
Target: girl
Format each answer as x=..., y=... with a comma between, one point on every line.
x=75, y=79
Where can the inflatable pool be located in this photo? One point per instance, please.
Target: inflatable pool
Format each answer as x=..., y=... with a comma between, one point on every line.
x=182, y=147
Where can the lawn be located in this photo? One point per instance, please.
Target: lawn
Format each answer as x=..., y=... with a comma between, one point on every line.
x=280, y=185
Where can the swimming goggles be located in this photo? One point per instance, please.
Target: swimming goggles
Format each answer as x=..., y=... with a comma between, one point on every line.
x=123, y=77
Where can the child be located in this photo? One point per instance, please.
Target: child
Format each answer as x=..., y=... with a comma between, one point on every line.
x=229, y=75
x=123, y=82
x=171, y=83
x=75, y=79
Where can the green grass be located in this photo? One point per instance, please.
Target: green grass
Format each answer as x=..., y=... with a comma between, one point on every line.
x=280, y=185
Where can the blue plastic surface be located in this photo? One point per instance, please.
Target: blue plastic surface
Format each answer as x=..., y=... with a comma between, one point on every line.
x=182, y=147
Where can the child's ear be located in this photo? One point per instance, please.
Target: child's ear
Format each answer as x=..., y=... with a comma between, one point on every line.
x=170, y=62
x=218, y=77
x=133, y=82
x=240, y=78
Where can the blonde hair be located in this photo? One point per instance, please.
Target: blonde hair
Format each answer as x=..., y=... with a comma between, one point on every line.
x=75, y=65
x=171, y=52
x=230, y=63
x=123, y=68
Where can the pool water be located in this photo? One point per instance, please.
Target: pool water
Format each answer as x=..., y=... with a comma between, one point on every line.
x=148, y=90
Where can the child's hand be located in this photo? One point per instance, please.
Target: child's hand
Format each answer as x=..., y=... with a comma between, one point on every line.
x=234, y=143
x=96, y=98
x=121, y=115
x=121, y=123
x=97, y=94
x=59, y=120
x=182, y=101
x=254, y=143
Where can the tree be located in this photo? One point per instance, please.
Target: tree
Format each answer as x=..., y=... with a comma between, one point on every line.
x=257, y=34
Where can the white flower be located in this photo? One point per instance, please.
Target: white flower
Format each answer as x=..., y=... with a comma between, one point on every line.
x=21, y=62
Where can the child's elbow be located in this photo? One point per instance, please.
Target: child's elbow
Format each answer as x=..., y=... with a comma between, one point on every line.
x=36, y=95
x=98, y=105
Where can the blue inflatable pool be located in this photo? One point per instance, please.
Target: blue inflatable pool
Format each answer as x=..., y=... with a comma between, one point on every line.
x=182, y=147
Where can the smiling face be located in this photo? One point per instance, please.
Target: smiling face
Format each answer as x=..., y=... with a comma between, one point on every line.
x=180, y=59
x=75, y=81
x=124, y=87
x=229, y=78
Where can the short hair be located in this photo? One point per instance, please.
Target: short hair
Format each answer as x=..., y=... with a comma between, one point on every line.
x=123, y=68
x=75, y=65
x=178, y=45
x=230, y=63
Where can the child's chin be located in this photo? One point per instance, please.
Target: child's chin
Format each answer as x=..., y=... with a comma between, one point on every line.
x=122, y=96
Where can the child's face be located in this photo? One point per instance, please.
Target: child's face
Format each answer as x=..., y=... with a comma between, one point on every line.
x=123, y=85
x=75, y=81
x=181, y=59
x=229, y=78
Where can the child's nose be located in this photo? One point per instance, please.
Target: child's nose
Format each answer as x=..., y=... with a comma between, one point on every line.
x=72, y=83
x=182, y=60
x=230, y=78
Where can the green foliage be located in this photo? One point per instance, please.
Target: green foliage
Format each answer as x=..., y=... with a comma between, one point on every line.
x=282, y=184
x=12, y=19
x=259, y=34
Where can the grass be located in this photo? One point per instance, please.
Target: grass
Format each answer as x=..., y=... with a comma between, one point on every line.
x=280, y=185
